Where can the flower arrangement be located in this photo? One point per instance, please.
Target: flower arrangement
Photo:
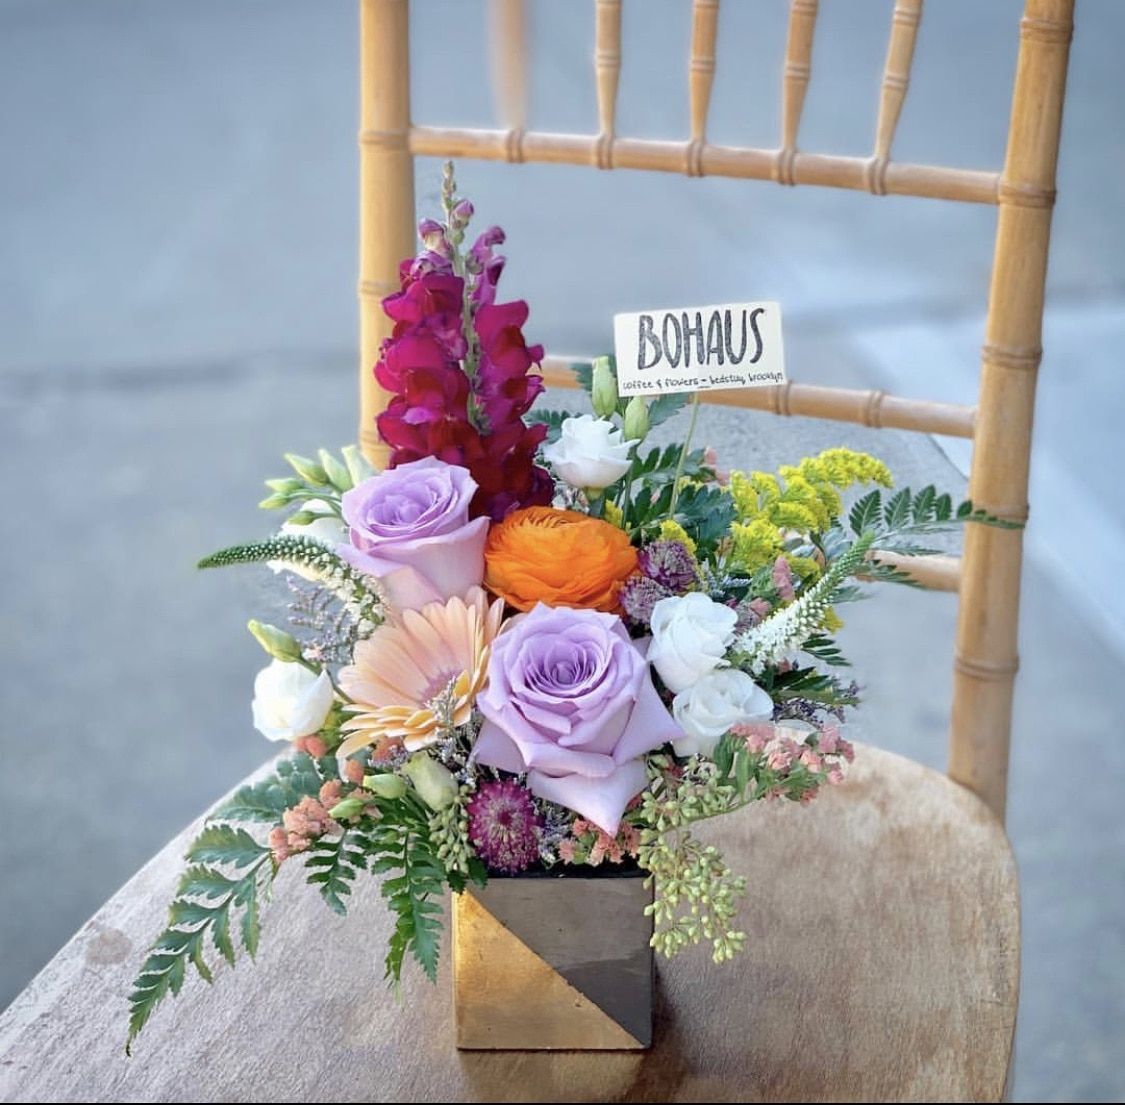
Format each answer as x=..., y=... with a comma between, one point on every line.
x=533, y=642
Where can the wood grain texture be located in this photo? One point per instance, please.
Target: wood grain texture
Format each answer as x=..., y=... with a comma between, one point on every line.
x=795, y=82
x=743, y=162
x=386, y=192
x=868, y=407
x=986, y=656
x=701, y=78
x=607, y=76
x=896, y=79
x=507, y=42
x=882, y=966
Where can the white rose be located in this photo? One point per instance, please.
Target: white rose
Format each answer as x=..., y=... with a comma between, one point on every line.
x=589, y=453
x=290, y=701
x=690, y=635
x=327, y=529
x=720, y=699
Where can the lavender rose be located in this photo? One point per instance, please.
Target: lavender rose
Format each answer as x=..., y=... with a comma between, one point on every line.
x=570, y=702
x=410, y=527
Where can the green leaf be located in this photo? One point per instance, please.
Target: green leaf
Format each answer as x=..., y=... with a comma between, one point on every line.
x=664, y=407
x=706, y=512
x=922, y=509
x=251, y=927
x=724, y=756
x=202, y=908
x=584, y=372
x=225, y=844
x=330, y=861
x=825, y=649
x=865, y=514
x=896, y=513
x=185, y=912
x=742, y=770
x=553, y=420
x=204, y=882
x=220, y=933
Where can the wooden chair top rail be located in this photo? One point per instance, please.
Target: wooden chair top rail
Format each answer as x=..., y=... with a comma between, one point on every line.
x=703, y=159
x=694, y=155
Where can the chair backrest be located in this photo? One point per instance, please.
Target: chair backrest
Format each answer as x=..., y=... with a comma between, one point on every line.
x=988, y=573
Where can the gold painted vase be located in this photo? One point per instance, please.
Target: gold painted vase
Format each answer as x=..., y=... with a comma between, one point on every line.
x=547, y=962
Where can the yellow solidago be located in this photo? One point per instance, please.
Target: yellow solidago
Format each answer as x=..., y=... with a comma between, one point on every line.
x=832, y=622
x=673, y=531
x=844, y=467
x=614, y=515
x=756, y=543
x=806, y=496
x=804, y=567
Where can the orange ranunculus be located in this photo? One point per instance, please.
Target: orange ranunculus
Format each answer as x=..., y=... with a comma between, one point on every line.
x=557, y=557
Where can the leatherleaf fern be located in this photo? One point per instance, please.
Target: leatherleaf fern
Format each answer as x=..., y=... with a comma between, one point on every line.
x=228, y=871
x=228, y=875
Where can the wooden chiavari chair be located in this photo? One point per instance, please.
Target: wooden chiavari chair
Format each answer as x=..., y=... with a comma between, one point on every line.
x=886, y=967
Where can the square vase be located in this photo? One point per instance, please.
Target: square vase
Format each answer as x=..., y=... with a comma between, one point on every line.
x=546, y=962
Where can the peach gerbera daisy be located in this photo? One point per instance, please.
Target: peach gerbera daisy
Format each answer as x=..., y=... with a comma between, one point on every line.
x=418, y=673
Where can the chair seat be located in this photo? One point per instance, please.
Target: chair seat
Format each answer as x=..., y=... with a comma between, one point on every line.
x=882, y=964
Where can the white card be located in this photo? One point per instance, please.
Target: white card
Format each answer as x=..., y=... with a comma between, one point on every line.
x=731, y=345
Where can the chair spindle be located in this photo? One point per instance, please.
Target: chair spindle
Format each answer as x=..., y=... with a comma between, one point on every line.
x=896, y=78
x=701, y=77
x=607, y=74
x=795, y=82
x=386, y=190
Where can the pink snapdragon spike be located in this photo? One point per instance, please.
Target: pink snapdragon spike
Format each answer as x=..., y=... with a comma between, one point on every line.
x=458, y=368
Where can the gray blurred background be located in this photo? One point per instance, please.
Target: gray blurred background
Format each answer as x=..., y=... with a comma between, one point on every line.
x=177, y=308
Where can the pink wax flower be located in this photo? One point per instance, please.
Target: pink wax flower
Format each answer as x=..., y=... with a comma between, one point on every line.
x=570, y=702
x=410, y=527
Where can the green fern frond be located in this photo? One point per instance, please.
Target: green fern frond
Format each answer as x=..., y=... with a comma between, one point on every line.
x=227, y=871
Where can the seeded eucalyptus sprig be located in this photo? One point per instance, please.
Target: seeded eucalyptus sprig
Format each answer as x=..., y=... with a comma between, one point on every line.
x=324, y=480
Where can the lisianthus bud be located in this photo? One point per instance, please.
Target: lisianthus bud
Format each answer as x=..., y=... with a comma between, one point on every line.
x=345, y=808
x=359, y=467
x=337, y=474
x=385, y=786
x=285, y=486
x=279, y=644
x=636, y=419
x=307, y=469
x=435, y=784
x=603, y=393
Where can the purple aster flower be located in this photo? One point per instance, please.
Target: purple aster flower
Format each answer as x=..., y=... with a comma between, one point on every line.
x=504, y=826
x=670, y=564
x=638, y=596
